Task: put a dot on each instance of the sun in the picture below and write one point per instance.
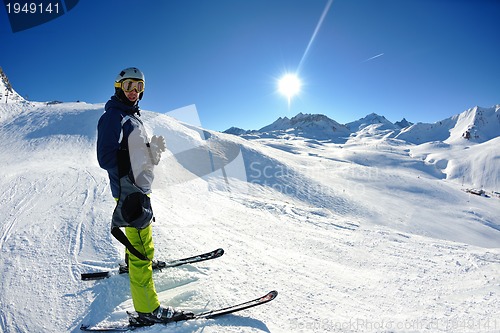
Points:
(289, 85)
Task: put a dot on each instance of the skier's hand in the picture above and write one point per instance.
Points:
(158, 142)
(157, 147)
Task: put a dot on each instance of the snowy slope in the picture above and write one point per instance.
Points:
(464, 147)
(360, 237)
(473, 165)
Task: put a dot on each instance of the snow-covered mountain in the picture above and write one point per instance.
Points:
(372, 119)
(364, 236)
(236, 131)
(12, 103)
(7, 93)
(316, 126)
(476, 124)
(403, 123)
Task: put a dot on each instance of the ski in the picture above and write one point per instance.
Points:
(202, 315)
(238, 307)
(157, 265)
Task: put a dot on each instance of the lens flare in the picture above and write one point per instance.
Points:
(315, 33)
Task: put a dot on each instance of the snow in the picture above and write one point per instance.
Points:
(368, 234)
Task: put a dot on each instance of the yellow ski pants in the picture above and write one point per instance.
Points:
(142, 286)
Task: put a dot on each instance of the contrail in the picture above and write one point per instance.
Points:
(378, 55)
(318, 26)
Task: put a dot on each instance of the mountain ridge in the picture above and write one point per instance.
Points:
(477, 124)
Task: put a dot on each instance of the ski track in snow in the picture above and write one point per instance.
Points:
(362, 238)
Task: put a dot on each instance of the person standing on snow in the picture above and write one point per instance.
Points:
(127, 154)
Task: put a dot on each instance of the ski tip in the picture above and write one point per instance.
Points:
(219, 252)
(89, 328)
(270, 296)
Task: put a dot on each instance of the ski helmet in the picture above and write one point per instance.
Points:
(128, 73)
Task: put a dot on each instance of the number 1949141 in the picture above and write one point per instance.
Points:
(32, 8)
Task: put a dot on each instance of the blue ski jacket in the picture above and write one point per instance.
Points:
(109, 129)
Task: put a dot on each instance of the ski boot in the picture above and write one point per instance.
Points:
(159, 316)
(157, 265)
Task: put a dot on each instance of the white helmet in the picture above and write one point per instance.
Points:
(130, 73)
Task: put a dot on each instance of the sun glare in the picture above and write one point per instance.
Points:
(289, 85)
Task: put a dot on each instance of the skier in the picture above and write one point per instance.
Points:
(127, 154)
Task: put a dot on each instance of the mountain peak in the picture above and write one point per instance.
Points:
(307, 125)
(308, 117)
(371, 119)
(7, 93)
(403, 123)
(476, 124)
(235, 131)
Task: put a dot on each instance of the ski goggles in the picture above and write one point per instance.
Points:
(128, 85)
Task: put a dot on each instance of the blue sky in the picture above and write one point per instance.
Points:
(425, 60)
